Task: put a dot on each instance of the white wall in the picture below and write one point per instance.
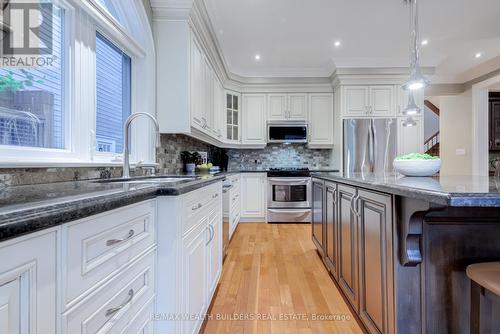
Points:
(456, 133)
(431, 123)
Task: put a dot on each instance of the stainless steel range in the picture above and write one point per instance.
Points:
(289, 196)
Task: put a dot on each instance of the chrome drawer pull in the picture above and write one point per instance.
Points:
(113, 310)
(215, 196)
(196, 207)
(112, 242)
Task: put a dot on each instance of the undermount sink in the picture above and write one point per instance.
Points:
(152, 179)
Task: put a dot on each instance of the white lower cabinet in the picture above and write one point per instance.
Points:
(117, 271)
(111, 307)
(253, 196)
(28, 285)
(233, 209)
(94, 275)
(194, 273)
(190, 258)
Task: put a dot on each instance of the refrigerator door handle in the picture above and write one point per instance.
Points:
(371, 146)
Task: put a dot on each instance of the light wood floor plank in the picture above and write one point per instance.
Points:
(272, 271)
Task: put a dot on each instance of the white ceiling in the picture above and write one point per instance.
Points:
(295, 37)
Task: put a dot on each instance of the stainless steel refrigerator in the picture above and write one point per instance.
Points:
(370, 145)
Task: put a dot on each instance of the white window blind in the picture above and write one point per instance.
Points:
(113, 80)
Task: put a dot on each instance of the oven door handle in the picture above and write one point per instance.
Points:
(290, 181)
(289, 211)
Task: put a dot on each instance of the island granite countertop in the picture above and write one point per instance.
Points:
(30, 208)
(456, 191)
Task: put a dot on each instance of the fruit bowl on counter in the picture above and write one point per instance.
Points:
(417, 164)
(204, 168)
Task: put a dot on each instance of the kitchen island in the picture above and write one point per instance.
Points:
(398, 246)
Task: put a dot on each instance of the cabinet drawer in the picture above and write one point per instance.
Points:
(96, 248)
(114, 306)
(236, 208)
(198, 204)
(234, 197)
(141, 323)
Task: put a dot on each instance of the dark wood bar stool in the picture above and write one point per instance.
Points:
(485, 281)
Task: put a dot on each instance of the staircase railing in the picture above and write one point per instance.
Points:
(431, 142)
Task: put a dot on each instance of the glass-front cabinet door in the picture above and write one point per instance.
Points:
(233, 116)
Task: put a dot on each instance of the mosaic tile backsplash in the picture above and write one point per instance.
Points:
(278, 155)
(168, 158)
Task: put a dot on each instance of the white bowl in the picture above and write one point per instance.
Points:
(417, 167)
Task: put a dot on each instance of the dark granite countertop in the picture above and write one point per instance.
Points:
(458, 191)
(30, 208)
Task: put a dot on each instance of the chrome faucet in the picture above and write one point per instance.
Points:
(126, 128)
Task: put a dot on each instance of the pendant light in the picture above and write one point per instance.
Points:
(412, 108)
(409, 122)
(417, 79)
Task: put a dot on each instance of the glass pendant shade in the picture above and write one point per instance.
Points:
(417, 79)
(409, 122)
(412, 108)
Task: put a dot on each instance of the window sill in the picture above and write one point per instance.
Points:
(68, 164)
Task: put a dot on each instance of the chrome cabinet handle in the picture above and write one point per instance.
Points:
(196, 207)
(112, 242)
(356, 209)
(212, 232)
(352, 204)
(215, 196)
(113, 310)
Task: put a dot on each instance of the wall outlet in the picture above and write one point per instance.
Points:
(460, 151)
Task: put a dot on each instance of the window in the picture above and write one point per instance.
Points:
(71, 111)
(32, 111)
(113, 79)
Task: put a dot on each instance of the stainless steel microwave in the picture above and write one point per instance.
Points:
(287, 133)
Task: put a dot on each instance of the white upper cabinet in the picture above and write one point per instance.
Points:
(189, 93)
(368, 101)
(287, 107)
(277, 107)
(233, 117)
(320, 120)
(297, 107)
(254, 119)
(356, 100)
(382, 101)
(196, 85)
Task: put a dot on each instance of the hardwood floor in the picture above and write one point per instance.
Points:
(273, 271)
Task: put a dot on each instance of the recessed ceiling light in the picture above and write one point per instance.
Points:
(425, 42)
(478, 55)
(257, 57)
(337, 43)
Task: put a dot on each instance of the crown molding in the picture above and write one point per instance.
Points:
(171, 9)
(195, 13)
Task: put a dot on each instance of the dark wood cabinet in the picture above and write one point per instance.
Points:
(348, 245)
(494, 106)
(331, 228)
(376, 299)
(318, 235)
(353, 231)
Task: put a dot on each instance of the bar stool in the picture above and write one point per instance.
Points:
(485, 281)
